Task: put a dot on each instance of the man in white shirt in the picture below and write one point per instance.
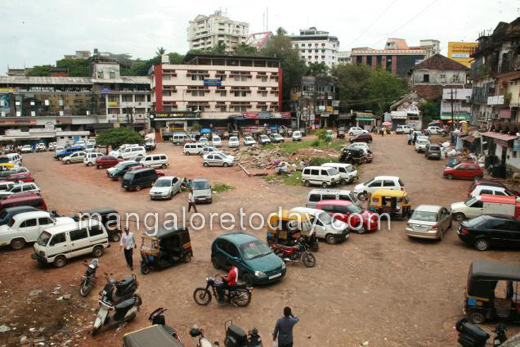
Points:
(191, 202)
(128, 244)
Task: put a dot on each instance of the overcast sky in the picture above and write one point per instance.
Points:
(36, 32)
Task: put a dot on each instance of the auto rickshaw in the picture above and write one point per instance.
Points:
(108, 217)
(352, 156)
(287, 227)
(492, 291)
(393, 202)
(165, 248)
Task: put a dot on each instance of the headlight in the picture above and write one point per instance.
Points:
(283, 266)
(259, 273)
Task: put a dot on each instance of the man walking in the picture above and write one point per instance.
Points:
(191, 202)
(284, 327)
(128, 244)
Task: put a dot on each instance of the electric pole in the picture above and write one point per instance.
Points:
(452, 116)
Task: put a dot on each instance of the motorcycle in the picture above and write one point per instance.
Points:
(471, 335)
(89, 278)
(239, 295)
(235, 337)
(294, 254)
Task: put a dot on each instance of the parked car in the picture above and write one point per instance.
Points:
(59, 154)
(218, 159)
(264, 139)
(429, 222)
(120, 169)
(491, 190)
(155, 160)
(91, 158)
(165, 187)
(361, 138)
(317, 175)
(256, 263)
(8, 213)
(317, 195)
(26, 149)
(489, 183)
(233, 142)
(137, 179)
(159, 173)
(6, 185)
(347, 172)
(362, 190)
(19, 188)
(249, 141)
(276, 138)
(353, 131)
(26, 227)
(433, 152)
(106, 161)
(362, 145)
(464, 171)
(60, 243)
(216, 141)
(179, 138)
(192, 148)
(129, 152)
(76, 157)
(403, 129)
(19, 169)
(488, 231)
(435, 130)
(358, 219)
(208, 150)
(23, 199)
(40, 147)
(20, 177)
(150, 144)
(421, 145)
(324, 226)
(296, 136)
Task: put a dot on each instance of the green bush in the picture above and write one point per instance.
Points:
(321, 134)
(221, 187)
(318, 161)
(316, 143)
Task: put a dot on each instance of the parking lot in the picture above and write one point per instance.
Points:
(378, 287)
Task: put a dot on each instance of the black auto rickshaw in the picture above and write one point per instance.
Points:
(352, 156)
(155, 335)
(108, 217)
(493, 291)
(165, 248)
(288, 227)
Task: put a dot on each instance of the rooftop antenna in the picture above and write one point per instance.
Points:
(267, 19)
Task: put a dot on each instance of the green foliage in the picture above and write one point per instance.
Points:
(40, 70)
(196, 127)
(316, 69)
(430, 110)
(384, 89)
(221, 187)
(160, 51)
(316, 143)
(321, 134)
(77, 67)
(118, 136)
(318, 161)
(293, 179)
(246, 50)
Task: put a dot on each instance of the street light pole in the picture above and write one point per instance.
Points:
(452, 121)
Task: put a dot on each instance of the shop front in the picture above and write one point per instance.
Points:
(365, 120)
(502, 154)
(251, 122)
(165, 124)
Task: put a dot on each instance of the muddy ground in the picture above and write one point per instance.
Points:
(382, 288)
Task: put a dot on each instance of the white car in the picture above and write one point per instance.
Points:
(420, 145)
(353, 131)
(362, 145)
(491, 190)
(91, 157)
(435, 130)
(165, 187)
(470, 208)
(362, 190)
(403, 129)
(218, 159)
(216, 141)
(129, 152)
(249, 141)
(233, 142)
(26, 149)
(90, 147)
(325, 227)
(19, 188)
(40, 147)
(59, 148)
(27, 227)
(264, 139)
(296, 136)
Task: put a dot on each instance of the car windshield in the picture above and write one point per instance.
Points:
(325, 218)
(216, 138)
(248, 138)
(354, 209)
(254, 249)
(425, 216)
(470, 202)
(200, 185)
(4, 160)
(233, 139)
(44, 239)
(164, 183)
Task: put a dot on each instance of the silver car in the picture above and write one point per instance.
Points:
(201, 190)
(165, 187)
(76, 157)
(429, 222)
(218, 159)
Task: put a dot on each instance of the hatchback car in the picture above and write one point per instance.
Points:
(107, 161)
(358, 219)
(165, 188)
(356, 131)
(264, 139)
(216, 141)
(249, 141)
(491, 190)
(276, 138)
(470, 171)
(362, 190)
(26, 149)
(421, 145)
(255, 261)
(296, 136)
(361, 138)
(233, 142)
(218, 159)
(429, 222)
(433, 152)
(490, 231)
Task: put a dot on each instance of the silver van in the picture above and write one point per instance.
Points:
(201, 190)
(347, 172)
(323, 176)
(192, 148)
(156, 161)
(178, 138)
(316, 195)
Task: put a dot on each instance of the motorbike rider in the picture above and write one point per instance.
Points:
(228, 282)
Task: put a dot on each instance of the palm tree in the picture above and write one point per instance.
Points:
(160, 51)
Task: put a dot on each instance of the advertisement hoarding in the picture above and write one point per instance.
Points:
(461, 52)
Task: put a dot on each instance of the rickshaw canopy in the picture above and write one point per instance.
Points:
(484, 275)
(286, 217)
(154, 335)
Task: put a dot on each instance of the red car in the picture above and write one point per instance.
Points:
(24, 199)
(107, 161)
(361, 138)
(20, 177)
(159, 173)
(351, 214)
(470, 171)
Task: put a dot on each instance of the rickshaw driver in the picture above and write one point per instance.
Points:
(228, 282)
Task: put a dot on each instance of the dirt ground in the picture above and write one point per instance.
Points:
(381, 288)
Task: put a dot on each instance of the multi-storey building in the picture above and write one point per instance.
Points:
(205, 32)
(316, 46)
(396, 57)
(431, 47)
(345, 57)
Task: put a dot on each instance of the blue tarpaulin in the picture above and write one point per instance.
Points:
(205, 131)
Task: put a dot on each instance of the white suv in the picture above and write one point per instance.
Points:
(91, 157)
(403, 129)
(362, 190)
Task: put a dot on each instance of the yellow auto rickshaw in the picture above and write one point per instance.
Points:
(285, 227)
(393, 202)
(6, 166)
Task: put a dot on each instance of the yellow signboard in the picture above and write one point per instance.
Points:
(6, 90)
(461, 52)
(113, 103)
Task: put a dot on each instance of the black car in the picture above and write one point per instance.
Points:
(10, 212)
(433, 152)
(488, 231)
(137, 179)
(121, 169)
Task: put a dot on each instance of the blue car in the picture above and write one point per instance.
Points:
(255, 262)
(68, 151)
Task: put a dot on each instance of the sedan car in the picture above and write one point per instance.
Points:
(490, 231)
(218, 159)
(361, 138)
(165, 187)
(277, 138)
(249, 141)
(256, 263)
(429, 222)
(8, 213)
(470, 171)
(107, 161)
(233, 142)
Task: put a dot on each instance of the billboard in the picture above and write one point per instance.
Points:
(461, 52)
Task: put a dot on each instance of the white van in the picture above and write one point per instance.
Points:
(15, 159)
(131, 152)
(316, 195)
(156, 160)
(178, 138)
(325, 227)
(324, 176)
(192, 148)
(60, 243)
(347, 172)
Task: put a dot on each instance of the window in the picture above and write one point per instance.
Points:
(45, 221)
(329, 197)
(96, 230)
(264, 79)
(112, 75)
(426, 78)
(57, 239)
(324, 173)
(477, 204)
(100, 74)
(315, 198)
(78, 234)
(327, 208)
(29, 223)
(16, 190)
(315, 172)
(387, 183)
(375, 184)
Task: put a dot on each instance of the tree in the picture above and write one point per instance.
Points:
(117, 137)
(76, 67)
(316, 69)
(430, 110)
(353, 86)
(245, 50)
(384, 88)
(220, 48)
(160, 51)
(40, 70)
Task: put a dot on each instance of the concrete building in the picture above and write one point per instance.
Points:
(316, 46)
(78, 55)
(396, 57)
(205, 32)
(345, 57)
(431, 47)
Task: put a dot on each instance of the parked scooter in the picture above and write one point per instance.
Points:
(89, 278)
(235, 337)
(197, 333)
(294, 254)
(239, 295)
(471, 335)
(117, 291)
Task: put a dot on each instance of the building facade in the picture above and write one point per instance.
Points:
(316, 46)
(345, 57)
(430, 46)
(205, 32)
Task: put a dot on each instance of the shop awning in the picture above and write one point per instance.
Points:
(500, 136)
(365, 119)
(469, 139)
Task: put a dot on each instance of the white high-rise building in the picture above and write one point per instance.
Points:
(205, 32)
(316, 46)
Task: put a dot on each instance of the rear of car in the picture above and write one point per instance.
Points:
(429, 222)
(137, 179)
(433, 152)
(24, 199)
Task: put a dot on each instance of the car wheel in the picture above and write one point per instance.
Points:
(343, 181)
(60, 261)
(67, 162)
(145, 269)
(330, 239)
(187, 153)
(324, 184)
(215, 263)
(362, 230)
(115, 237)
(226, 164)
(17, 244)
(97, 252)
(248, 280)
(476, 318)
(441, 236)
(187, 258)
(482, 245)
(137, 188)
(163, 166)
(89, 164)
(205, 164)
(477, 178)
(450, 177)
(99, 167)
(307, 183)
(459, 217)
